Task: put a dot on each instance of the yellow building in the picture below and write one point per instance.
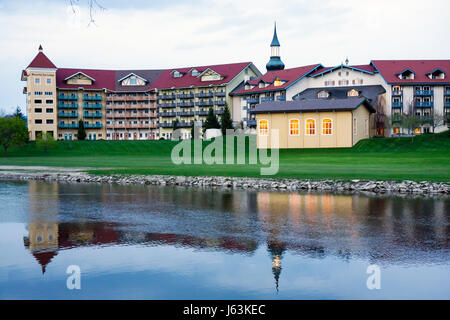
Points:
(315, 123)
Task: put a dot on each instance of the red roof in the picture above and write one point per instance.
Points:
(288, 75)
(104, 79)
(227, 71)
(41, 61)
(390, 69)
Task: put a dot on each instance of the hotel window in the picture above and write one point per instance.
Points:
(49, 110)
(38, 121)
(263, 127)
(327, 127)
(353, 93)
(133, 81)
(310, 127)
(49, 81)
(294, 127)
(366, 127)
(355, 128)
(322, 94)
(49, 121)
(417, 130)
(396, 130)
(48, 101)
(277, 82)
(37, 80)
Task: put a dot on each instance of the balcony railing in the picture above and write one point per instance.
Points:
(186, 114)
(95, 97)
(68, 125)
(447, 92)
(168, 105)
(281, 98)
(93, 115)
(186, 104)
(447, 104)
(165, 125)
(219, 111)
(397, 93)
(167, 96)
(72, 96)
(204, 95)
(185, 96)
(264, 99)
(62, 114)
(423, 92)
(93, 125)
(221, 103)
(424, 104)
(92, 105)
(204, 103)
(397, 104)
(168, 114)
(219, 94)
(201, 113)
(72, 105)
(253, 100)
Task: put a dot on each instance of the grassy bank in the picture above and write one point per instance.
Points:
(427, 158)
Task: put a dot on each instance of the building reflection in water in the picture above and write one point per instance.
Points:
(381, 229)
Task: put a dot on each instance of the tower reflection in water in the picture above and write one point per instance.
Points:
(386, 230)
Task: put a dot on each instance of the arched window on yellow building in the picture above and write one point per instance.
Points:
(263, 127)
(327, 127)
(310, 127)
(294, 127)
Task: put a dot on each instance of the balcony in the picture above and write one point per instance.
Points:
(62, 125)
(93, 125)
(92, 105)
(185, 96)
(165, 125)
(397, 104)
(447, 104)
(281, 98)
(167, 96)
(253, 100)
(184, 124)
(185, 104)
(264, 99)
(202, 113)
(218, 111)
(62, 114)
(422, 93)
(92, 115)
(72, 105)
(424, 104)
(220, 102)
(168, 105)
(167, 114)
(397, 93)
(95, 97)
(425, 119)
(186, 114)
(251, 123)
(204, 103)
(219, 94)
(204, 95)
(72, 96)
(447, 93)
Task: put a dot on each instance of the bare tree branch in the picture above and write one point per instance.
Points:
(93, 5)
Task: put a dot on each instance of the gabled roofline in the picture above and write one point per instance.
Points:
(340, 67)
(407, 69)
(437, 69)
(306, 74)
(79, 72)
(132, 74)
(201, 73)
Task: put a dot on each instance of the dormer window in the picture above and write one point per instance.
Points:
(277, 82)
(407, 74)
(133, 81)
(177, 74)
(195, 72)
(261, 85)
(353, 93)
(323, 94)
(436, 74)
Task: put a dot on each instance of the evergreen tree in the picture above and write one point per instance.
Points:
(211, 121)
(81, 130)
(225, 121)
(18, 113)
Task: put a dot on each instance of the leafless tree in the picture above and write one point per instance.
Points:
(379, 118)
(437, 119)
(93, 5)
(409, 120)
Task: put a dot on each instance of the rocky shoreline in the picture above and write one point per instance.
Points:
(439, 189)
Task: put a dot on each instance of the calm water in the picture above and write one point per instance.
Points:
(142, 242)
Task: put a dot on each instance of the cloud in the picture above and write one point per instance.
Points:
(150, 34)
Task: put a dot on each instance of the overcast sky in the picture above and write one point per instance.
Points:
(165, 34)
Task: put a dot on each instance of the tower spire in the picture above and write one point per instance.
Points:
(275, 62)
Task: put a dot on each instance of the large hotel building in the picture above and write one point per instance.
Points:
(149, 104)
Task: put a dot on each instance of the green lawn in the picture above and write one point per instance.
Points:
(427, 158)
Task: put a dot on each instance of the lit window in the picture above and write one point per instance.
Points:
(310, 127)
(263, 127)
(353, 93)
(366, 127)
(355, 128)
(327, 127)
(294, 125)
(396, 130)
(277, 82)
(417, 130)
